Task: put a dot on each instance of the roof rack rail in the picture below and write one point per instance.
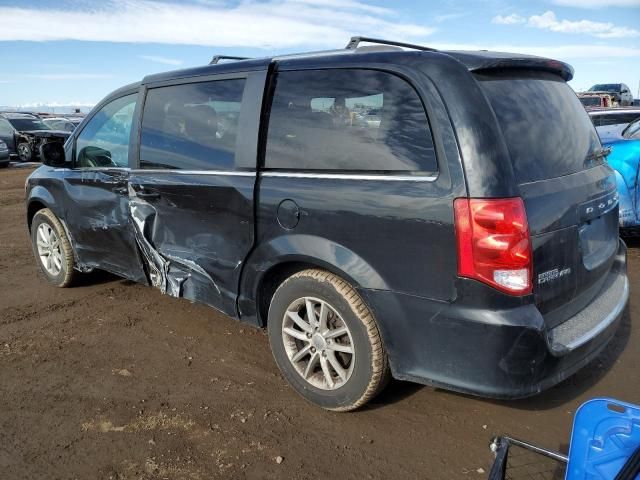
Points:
(217, 58)
(355, 41)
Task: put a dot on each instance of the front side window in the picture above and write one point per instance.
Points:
(192, 126)
(104, 141)
(348, 120)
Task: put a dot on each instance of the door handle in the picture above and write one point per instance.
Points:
(147, 194)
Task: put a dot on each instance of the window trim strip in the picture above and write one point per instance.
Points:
(353, 176)
(229, 173)
(283, 174)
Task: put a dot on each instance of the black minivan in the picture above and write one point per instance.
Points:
(441, 217)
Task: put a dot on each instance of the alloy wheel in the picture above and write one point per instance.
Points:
(318, 343)
(24, 152)
(49, 249)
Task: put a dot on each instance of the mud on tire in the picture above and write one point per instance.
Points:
(52, 248)
(339, 380)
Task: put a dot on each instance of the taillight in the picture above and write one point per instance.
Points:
(493, 243)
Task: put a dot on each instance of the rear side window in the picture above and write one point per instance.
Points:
(348, 120)
(192, 126)
(546, 128)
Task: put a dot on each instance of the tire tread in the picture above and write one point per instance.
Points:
(379, 359)
(66, 246)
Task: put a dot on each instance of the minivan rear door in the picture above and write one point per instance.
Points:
(569, 191)
(192, 193)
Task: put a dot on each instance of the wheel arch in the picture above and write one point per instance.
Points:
(39, 198)
(274, 261)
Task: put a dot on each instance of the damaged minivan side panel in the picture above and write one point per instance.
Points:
(191, 192)
(194, 244)
(97, 215)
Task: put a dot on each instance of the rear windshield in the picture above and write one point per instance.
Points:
(590, 101)
(25, 124)
(546, 128)
(606, 87)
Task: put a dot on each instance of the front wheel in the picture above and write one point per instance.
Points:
(52, 248)
(326, 341)
(25, 154)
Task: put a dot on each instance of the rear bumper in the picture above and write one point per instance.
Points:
(496, 351)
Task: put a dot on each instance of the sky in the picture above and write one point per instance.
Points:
(66, 52)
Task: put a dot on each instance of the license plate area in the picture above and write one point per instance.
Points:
(599, 239)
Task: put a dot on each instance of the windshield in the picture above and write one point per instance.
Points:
(605, 87)
(590, 101)
(547, 130)
(24, 124)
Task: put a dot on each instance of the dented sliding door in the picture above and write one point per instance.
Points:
(191, 199)
(194, 231)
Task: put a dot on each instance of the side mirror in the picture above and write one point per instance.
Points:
(52, 154)
(93, 157)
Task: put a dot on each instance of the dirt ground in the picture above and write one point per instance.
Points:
(114, 380)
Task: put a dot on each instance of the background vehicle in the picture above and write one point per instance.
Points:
(625, 160)
(603, 117)
(4, 155)
(443, 244)
(590, 100)
(610, 122)
(619, 91)
(24, 133)
(61, 123)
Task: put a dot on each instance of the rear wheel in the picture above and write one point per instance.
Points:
(326, 341)
(25, 154)
(52, 248)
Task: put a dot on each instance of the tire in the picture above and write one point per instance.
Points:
(4, 164)
(25, 154)
(48, 235)
(348, 325)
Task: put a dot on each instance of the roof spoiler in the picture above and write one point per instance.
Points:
(525, 62)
